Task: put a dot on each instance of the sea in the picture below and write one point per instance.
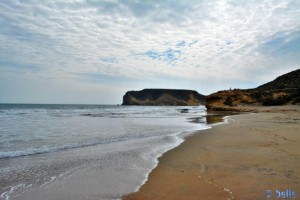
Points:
(86, 151)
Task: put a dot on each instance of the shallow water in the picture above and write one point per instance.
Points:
(86, 151)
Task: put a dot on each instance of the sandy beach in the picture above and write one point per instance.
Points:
(241, 159)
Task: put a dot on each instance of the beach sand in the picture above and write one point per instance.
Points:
(240, 159)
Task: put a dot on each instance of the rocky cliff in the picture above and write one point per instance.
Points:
(283, 90)
(168, 97)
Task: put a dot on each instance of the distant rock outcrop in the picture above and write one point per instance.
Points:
(283, 90)
(165, 97)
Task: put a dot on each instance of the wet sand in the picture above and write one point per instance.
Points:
(240, 159)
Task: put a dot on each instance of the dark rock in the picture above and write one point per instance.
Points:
(184, 110)
(166, 97)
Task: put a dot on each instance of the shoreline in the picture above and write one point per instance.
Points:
(237, 160)
(106, 171)
(214, 120)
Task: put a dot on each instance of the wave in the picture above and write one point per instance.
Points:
(51, 149)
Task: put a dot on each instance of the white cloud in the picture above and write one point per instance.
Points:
(225, 42)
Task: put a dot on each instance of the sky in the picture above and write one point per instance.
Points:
(93, 51)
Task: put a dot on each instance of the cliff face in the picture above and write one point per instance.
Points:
(167, 97)
(283, 90)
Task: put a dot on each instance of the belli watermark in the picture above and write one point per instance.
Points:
(281, 194)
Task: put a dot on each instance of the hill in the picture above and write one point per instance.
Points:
(290, 80)
(283, 90)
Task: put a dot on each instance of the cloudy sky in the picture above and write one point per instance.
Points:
(93, 51)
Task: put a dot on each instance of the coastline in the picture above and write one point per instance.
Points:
(236, 160)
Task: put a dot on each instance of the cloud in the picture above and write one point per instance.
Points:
(148, 42)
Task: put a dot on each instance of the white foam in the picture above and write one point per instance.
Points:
(159, 152)
(6, 195)
(51, 179)
(49, 149)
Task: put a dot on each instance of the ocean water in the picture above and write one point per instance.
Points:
(86, 151)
